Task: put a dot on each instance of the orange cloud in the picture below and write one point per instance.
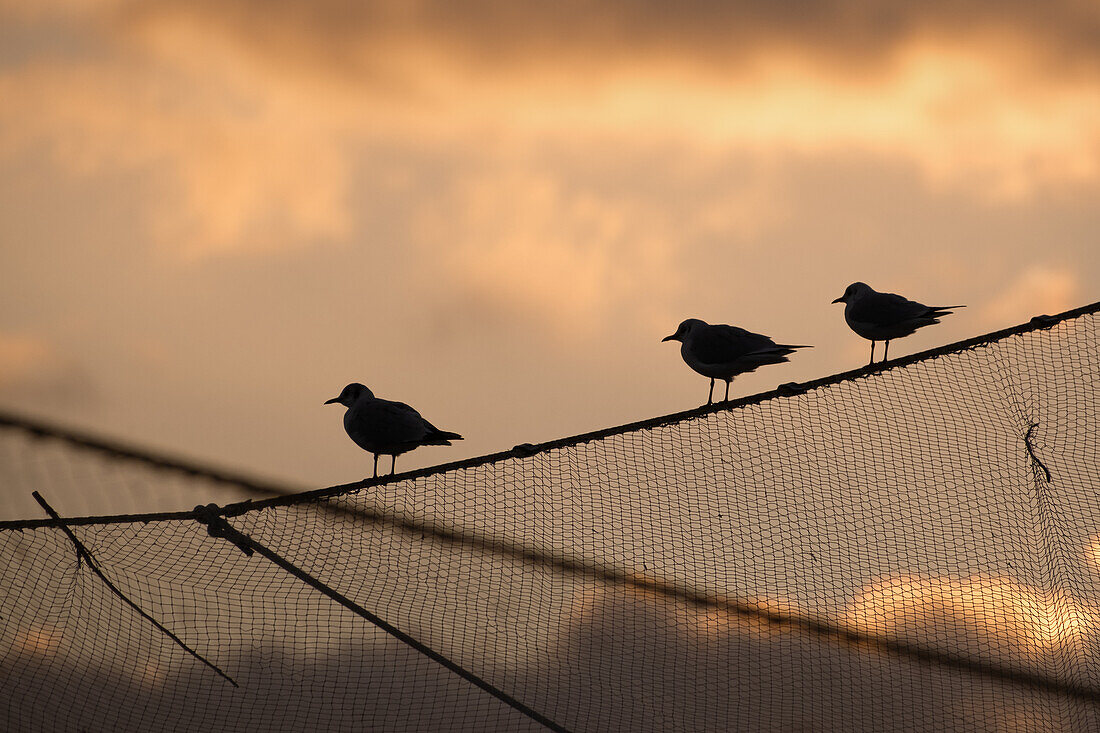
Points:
(1037, 289)
(23, 358)
(234, 156)
(997, 616)
(34, 371)
(248, 118)
(38, 640)
(535, 243)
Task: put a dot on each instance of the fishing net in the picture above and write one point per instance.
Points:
(906, 547)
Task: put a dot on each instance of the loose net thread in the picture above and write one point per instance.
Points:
(907, 548)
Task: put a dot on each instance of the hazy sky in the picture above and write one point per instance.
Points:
(214, 214)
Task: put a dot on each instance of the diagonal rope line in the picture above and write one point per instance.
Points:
(217, 526)
(82, 553)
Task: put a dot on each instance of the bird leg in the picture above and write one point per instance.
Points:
(727, 390)
(885, 349)
(872, 354)
(710, 395)
(376, 465)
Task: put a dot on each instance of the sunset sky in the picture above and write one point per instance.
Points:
(214, 214)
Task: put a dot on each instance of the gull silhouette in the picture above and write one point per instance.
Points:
(885, 316)
(723, 352)
(383, 427)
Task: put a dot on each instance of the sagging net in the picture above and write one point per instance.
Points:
(911, 548)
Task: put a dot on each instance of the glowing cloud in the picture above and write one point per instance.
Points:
(1002, 615)
(22, 357)
(248, 118)
(1036, 290)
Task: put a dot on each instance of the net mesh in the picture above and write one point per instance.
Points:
(909, 548)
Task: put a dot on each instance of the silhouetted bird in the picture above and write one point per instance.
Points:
(387, 428)
(723, 352)
(884, 316)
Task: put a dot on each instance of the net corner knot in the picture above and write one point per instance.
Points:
(216, 525)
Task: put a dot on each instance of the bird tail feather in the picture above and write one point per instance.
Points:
(942, 310)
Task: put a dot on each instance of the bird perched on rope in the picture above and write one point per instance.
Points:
(885, 316)
(383, 427)
(723, 352)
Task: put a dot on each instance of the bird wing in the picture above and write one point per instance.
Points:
(721, 344)
(412, 423)
(381, 423)
(405, 421)
(887, 309)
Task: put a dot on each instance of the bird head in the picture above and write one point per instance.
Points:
(350, 394)
(851, 291)
(684, 330)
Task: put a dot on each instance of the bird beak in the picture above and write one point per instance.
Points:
(840, 300)
(332, 401)
(669, 338)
